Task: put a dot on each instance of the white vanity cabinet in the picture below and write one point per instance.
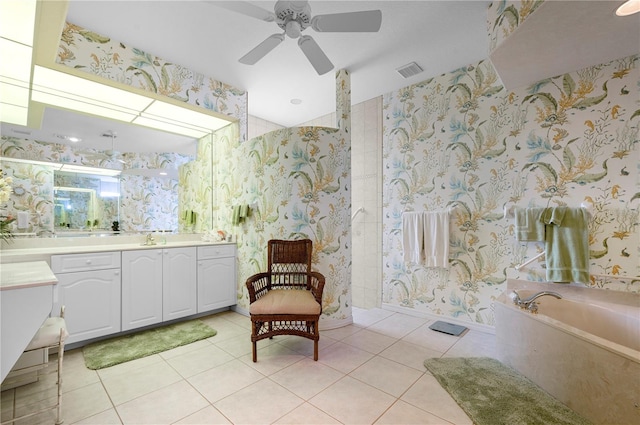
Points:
(89, 288)
(157, 285)
(216, 277)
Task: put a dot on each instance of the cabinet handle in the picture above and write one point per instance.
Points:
(88, 261)
(117, 273)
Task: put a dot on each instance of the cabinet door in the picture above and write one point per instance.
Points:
(92, 303)
(179, 282)
(141, 288)
(216, 283)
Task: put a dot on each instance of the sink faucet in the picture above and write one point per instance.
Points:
(150, 240)
(529, 303)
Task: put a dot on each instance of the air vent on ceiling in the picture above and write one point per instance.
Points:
(409, 70)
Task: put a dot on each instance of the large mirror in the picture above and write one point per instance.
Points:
(142, 197)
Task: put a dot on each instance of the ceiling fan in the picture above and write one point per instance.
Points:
(293, 17)
(112, 153)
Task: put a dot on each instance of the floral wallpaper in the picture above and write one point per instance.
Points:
(504, 16)
(99, 55)
(298, 180)
(32, 192)
(462, 141)
(146, 203)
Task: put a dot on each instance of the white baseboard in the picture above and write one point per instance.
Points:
(424, 315)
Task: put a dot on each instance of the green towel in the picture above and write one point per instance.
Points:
(566, 245)
(529, 225)
(244, 212)
(235, 219)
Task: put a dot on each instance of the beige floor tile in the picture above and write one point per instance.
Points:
(207, 416)
(402, 413)
(304, 346)
(224, 328)
(261, 403)
(122, 388)
(222, 381)
(367, 340)
(474, 344)
(408, 354)
(183, 349)
(386, 375)
(308, 415)
(128, 367)
(108, 417)
(76, 405)
(237, 346)
(428, 395)
(237, 318)
(164, 406)
(343, 357)
(431, 339)
(74, 372)
(353, 402)
(397, 325)
(340, 333)
(306, 378)
(272, 358)
(196, 361)
(365, 318)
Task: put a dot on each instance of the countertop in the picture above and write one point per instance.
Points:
(26, 275)
(43, 249)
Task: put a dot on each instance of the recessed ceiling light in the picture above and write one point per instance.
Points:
(163, 173)
(74, 139)
(296, 101)
(628, 8)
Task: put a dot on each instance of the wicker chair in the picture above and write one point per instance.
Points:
(287, 299)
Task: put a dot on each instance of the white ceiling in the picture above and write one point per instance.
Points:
(440, 36)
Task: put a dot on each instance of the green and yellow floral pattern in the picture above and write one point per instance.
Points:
(100, 55)
(462, 141)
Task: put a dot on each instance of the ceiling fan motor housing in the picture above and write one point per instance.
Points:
(293, 16)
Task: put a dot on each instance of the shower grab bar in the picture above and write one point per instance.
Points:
(529, 261)
(359, 210)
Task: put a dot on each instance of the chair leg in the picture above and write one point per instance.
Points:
(59, 419)
(255, 352)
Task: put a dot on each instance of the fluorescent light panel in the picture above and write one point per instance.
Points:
(68, 91)
(66, 167)
(17, 20)
(170, 127)
(59, 82)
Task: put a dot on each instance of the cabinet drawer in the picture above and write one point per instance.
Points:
(85, 262)
(216, 251)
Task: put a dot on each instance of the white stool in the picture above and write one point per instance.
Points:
(52, 334)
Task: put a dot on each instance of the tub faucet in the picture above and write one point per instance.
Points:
(529, 303)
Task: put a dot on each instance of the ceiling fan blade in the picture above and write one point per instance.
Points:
(262, 49)
(246, 8)
(365, 21)
(314, 53)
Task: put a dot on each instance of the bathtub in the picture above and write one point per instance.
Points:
(583, 349)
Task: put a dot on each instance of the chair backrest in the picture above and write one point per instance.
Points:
(289, 263)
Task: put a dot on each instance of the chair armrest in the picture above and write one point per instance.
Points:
(316, 283)
(258, 285)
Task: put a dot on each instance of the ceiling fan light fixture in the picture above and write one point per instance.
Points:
(628, 8)
(293, 29)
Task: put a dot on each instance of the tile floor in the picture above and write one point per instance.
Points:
(368, 372)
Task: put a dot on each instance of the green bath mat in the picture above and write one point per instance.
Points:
(494, 394)
(111, 352)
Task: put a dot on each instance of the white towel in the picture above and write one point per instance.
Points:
(436, 239)
(412, 237)
(23, 219)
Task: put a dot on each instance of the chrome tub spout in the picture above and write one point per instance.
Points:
(529, 303)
